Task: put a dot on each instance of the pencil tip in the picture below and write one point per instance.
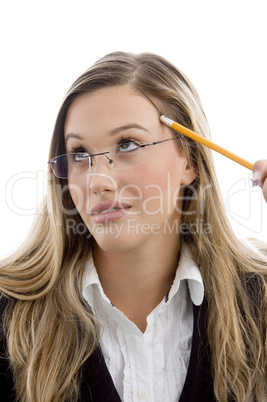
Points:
(166, 120)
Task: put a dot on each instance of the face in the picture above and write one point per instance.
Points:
(125, 208)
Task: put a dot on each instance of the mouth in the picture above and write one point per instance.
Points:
(109, 211)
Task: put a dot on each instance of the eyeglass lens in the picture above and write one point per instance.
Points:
(77, 164)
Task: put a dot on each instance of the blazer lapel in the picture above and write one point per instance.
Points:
(96, 381)
(198, 385)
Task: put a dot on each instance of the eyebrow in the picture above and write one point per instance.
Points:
(128, 127)
(72, 135)
(112, 132)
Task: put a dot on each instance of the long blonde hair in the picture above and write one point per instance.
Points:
(47, 322)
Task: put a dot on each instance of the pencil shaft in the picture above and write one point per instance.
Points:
(202, 140)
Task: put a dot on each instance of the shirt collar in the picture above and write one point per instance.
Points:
(90, 278)
(187, 270)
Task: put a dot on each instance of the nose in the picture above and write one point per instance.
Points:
(102, 176)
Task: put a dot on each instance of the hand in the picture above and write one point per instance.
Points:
(260, 175)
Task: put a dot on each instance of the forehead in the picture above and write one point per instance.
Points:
(110, 107)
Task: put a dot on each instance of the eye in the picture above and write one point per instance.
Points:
(128, 146)
(79, 154)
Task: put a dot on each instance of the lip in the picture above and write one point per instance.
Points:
(109, 211)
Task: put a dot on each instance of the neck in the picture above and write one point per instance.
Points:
(137, 281)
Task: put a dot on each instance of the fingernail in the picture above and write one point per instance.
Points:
(256, 178)
(255, 183)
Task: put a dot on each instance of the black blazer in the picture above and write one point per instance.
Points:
(97, 384)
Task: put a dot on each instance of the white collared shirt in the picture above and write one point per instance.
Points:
(149, 366)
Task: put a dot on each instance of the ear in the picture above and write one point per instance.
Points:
(188, 175)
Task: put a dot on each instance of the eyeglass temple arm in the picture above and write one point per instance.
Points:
(157, 142)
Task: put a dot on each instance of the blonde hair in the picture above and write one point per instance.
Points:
(47, 322)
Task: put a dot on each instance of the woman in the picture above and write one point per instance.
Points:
(94, 306)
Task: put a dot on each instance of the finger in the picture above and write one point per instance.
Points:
(260, 172)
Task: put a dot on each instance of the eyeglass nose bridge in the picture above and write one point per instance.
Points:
(109, 160)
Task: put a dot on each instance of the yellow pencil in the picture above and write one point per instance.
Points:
(202, 140)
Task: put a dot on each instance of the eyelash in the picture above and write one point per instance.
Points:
(77, 149)
(121, 140)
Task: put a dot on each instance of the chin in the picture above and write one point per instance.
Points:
(121, 236)
(113, 245)
(120, 242)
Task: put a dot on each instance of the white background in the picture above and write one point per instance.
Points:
(46, 45)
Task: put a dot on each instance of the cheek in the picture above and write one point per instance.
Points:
(157, 188)
(77, 191)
